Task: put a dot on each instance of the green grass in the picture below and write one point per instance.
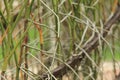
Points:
(108, 55)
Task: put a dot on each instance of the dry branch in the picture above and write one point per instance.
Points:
(92, 44)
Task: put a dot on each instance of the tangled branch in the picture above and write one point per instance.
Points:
(92, 44)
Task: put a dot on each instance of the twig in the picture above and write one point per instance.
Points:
(92, 44)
